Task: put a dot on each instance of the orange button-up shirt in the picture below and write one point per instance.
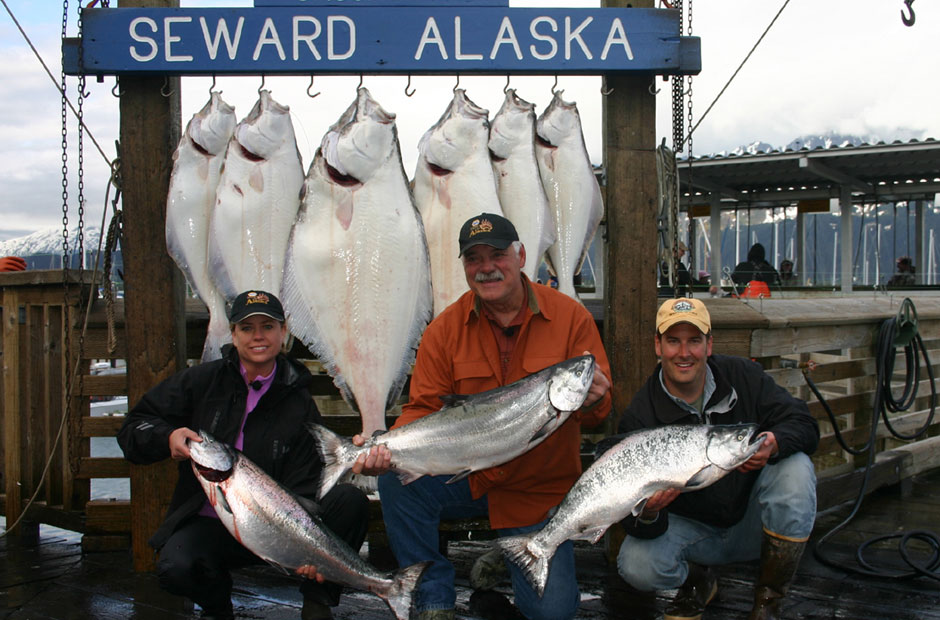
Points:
(459, 355)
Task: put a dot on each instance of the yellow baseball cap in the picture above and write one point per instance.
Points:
(683, 310)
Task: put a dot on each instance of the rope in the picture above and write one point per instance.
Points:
(884, 401)
(731, 79)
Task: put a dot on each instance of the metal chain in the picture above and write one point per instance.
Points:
(691, 243)
(80, 367)
(66, 301)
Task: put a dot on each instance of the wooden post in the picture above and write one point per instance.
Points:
(154, 292)
(630, 159)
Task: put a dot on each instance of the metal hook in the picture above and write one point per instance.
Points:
(212, 87)
(165, 89)
(116, 89)
(910, 17)
(604, 90)
(555, 85)
(506, 87)
(311, 86)
(260, 88)
(457, 85)
(654, 91)
(360, 83)
(413, 90)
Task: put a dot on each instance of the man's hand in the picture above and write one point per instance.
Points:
(658, 501)
(310, 572)
(374, 463)
(12, 263)
(179, 451)
(760, 458)
(599, 386)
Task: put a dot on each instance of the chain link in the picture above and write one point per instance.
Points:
(66, 313)
(691, 244)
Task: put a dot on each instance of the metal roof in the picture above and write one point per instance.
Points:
(873, 172)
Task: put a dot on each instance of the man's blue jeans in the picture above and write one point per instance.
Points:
(412, 515)
(782, 502)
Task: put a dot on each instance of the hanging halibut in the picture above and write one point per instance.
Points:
(356, 277)
(453, 182)
(571, 187)
(257, 201)
(518, 184)
(197, 166)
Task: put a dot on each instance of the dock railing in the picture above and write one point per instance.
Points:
(833, 340)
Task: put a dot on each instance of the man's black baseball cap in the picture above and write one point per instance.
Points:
(487, 229)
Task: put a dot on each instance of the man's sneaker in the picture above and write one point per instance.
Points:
(488, 571)
(699, 589)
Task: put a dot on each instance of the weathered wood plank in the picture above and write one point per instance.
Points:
(107, 467)
(108, 517)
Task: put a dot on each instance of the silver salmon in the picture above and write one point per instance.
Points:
(471, 432)
(619, 483)
(268, 521)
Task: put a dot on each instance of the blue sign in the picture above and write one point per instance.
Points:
(350, 38)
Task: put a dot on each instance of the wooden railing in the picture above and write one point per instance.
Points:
(836, 334)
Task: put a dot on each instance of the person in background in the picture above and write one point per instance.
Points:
(905, 273)
(683, 278)
(12, 263)
(503, 329)
(257, 400)
(787, 277)
(765, 509)
(755, 267)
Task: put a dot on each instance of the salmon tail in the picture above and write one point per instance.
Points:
(334, 452)
(400, 593)
(531, 558)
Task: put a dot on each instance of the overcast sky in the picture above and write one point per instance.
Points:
(844, 66)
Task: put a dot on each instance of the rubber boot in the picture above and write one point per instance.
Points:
(779, 560)
(699, 589)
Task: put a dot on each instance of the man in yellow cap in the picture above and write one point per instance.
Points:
(765, 509)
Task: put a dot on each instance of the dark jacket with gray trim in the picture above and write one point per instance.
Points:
(743, 393)
(211, 397)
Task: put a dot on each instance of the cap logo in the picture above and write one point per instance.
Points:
(478, 226)
(682, 306)
(257, 298)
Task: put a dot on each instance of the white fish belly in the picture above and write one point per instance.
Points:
(256, 205)
(357, 285)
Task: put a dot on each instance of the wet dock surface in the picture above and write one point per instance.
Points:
(48, 577)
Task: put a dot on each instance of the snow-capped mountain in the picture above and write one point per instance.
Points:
(49, 241)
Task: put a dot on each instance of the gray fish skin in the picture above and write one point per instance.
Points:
(474, 432)
(197, 168)
(688, 457)
(267, 520)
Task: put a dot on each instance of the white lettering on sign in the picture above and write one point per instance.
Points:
(268, 36)
(576, 36)
(458, 55)
(132, 30)
(169, 39)
(431, 34)
(506, 35)
(330, 52)
(306, 38)
(553, 45)
(221, 32)
(619, 37)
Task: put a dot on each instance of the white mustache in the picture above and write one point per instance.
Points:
(496, 276)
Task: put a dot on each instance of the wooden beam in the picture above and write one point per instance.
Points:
(154, 287)
(631, 211)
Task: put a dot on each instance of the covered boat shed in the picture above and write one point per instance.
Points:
(815, 180)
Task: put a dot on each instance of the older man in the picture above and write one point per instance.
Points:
(503, 329)
(765, 509)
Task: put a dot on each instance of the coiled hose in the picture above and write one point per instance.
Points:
(884, 401)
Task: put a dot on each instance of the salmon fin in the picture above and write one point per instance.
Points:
(593, 534)
(546, 429)
(221, 500)
(460, 476)
(279, 567)
(531, 560)
(454, 400)
(332, 450)
(406, 477)
(638, 507)
(702, 478)
(399, 594)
